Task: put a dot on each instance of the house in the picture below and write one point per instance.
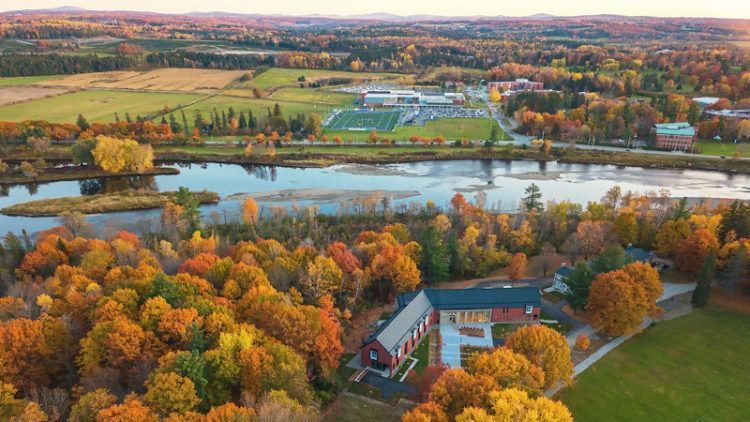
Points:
(704, 102)
(387, 348)
(560, 278)
(632, 254)
(675, 136)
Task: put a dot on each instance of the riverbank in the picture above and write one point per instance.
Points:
(102, 203)
(320, 156)
(630, 159)
(58, 174)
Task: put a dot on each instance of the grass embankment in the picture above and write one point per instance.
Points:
(726, 149)
(695, 162)
(95, 204)
(327, 156)
(58, 174)
(689, 368)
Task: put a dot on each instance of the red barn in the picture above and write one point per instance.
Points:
(387, 347)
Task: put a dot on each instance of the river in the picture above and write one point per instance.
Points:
(437, 181)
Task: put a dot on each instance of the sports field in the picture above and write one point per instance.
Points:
(366, 120)
(693, 368)
(450, 129)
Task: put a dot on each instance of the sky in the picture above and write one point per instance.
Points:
(672, 8)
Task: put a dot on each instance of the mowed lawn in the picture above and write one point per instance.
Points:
(726, 149)
(96, 106)
(314, 96)
(693, 368)
(451, 129)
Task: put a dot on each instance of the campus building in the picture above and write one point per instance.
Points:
(386, 348)
(674, 136)
(410, 98)
(517, 85)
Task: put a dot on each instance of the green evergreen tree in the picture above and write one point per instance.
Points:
(434, 262)
(705, 278)
(533, 198)
(579, 282)
(185, 127)
(82, 123)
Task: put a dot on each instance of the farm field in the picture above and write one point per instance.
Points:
(279, 77)
(366, 120)
(19, 93)
(183, 80)
(689, 368)
(451, 129)
(97, 106)
(23, 80)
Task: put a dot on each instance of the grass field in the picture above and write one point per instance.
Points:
(723, 148)
(692, 368)
(97, 106)
(451, 129)
(23, 80)
(366, 120)
(259, 107)
(313, 96)
(280, 77)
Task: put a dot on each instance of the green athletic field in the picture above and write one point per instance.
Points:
(366, 120)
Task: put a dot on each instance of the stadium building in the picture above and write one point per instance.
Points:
(410, 98)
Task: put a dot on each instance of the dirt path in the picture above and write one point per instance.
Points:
(361, 326)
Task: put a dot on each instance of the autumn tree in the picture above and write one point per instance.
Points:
(516, 405)
(620, 299)
(249, 211)
(546, 348)
(507, 369)
(115, 155)
(693, 251)
(517, 266)
(169, 392)
(626, 228)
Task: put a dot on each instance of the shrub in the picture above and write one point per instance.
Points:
(582, 342)
(28, 169)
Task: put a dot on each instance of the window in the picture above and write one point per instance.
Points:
(529, 309)
(505, 310)
(373, 354)
(398, 353)
(414, 334)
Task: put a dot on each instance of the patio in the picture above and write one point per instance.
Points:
(452, 340)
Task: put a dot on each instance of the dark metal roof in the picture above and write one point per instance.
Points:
(638, 254)
(564, 271)
(484, 297)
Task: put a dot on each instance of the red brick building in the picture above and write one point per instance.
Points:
(517, 85)
(397, 337)
(675, 136)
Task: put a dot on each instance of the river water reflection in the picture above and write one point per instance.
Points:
(502, 181)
